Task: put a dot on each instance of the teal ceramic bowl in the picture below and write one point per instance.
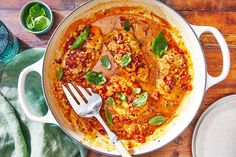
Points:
(25, 11)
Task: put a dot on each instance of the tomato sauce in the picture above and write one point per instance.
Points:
(168, 77)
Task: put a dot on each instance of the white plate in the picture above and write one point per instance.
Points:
(215, 132)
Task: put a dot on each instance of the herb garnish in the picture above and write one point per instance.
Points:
(105, 62)
(168, 105)
(123, 97)
(81, 38)
(127, 25)
(60, 73)
(110, 100)
(157, 120)
(159, 45)
(108, 116)
(95, 78)
(141, 100)
(125, 60)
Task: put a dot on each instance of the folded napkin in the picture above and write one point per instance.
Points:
(19, 136)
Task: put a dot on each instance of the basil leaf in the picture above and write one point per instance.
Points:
(108, 116)
(110, 100)
(60, 73)
(141, 100)
(105, 62)
(125, 60)
(30, 22)
(41, 22)
(137, 90)
(81, 38)
(95, 78)
(159, 45)
(127, 25)
(123, 97)
(157, 120)
(37, 10)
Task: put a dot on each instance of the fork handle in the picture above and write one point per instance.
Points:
(121, 148)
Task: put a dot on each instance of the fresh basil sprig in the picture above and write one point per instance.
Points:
(159, 45)
(123, 97)
(141, 100)
(157, 120)
(95, 78)
(108, 116)
(37, 10)
(60, 73)
(81, 38)
(105, 62)
(37, 18)
(125, 60)
(41, 22)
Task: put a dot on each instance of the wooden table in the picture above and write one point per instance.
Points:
(217, 13)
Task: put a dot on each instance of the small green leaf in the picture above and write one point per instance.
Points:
(105, 62)
(168, 105)
(118, 105)
(110, 100)
(137, 90)
(141, 100)
(81, 38)
(37, 10)
(125, 60)
(41, 22)
(138, 42)
(30, 22)
(108, 116)
(159, 45)
(95, 78)
(60, 73)
(157, 120)
(123, 97)
(127, 25)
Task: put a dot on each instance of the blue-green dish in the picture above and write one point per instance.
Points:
(24, 13)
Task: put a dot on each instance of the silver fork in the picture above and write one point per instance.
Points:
(87, 104)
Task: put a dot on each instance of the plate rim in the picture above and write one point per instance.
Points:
(203, 116)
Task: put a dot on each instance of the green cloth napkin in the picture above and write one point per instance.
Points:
(19, 136)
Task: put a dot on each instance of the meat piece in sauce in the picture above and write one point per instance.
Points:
(78, 61)
(120, 43)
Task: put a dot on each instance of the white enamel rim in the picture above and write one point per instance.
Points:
(206, 80)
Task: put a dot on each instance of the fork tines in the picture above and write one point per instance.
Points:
(77, 93)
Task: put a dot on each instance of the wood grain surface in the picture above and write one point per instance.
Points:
(220, 14)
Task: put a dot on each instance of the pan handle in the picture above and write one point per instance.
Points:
(199, 30)
(37, 67)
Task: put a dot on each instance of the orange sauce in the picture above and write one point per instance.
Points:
(167, 84)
